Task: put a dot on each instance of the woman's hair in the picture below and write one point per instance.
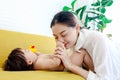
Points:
(16, 61)
(65, 17)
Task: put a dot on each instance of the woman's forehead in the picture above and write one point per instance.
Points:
(59, 29)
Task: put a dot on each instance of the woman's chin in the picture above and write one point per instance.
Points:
(67, 47)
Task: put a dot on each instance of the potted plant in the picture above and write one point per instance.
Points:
(95, 15)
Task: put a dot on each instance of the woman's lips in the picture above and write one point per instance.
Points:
(65, 44)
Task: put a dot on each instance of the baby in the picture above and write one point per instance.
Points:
(20, 60)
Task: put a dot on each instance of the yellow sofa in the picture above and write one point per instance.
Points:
(10, 40)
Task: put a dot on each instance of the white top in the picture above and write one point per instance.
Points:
(104, 52)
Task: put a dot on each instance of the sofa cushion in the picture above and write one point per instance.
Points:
(38, 75)
(10, 40)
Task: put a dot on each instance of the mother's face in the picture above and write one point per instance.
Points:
(66, 35)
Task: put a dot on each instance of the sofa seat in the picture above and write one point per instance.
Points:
(10, 40)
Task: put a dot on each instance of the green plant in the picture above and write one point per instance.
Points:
(96, 14)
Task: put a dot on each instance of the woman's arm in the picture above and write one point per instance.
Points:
(87, 60)
(62, 54)
(77, 58)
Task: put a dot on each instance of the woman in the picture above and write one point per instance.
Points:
(104, 53)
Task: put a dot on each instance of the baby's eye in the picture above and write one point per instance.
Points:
(63, 35)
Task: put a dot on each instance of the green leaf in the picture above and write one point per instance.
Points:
(93, 18)
(88, 27)
(106, 20)
(96, 4)
(101, 16)
(73, 4)
(86, 21)
(99, 26)
(82, 12)
(101, 23)
(109, 35)
(66, 8)
(93, 12)
(78, 10)
(93, 8)
(101, 9)
(107, 2)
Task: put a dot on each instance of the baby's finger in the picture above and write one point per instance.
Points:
(59, 49)
(59, 56)
(59, 52)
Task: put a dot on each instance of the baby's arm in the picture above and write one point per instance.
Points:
(58, 63)
(48, 62)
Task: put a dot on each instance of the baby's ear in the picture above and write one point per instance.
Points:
(38, 53)
(29, 62)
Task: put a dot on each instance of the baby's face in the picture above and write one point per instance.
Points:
(29, 55)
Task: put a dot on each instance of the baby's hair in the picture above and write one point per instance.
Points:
(16, 61)
(66, 18)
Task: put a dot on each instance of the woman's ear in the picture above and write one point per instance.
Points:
(29, 62)
(77, 27)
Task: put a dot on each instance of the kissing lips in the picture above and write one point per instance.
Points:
(65, 44)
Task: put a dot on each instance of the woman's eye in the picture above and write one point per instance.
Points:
(56, 37)
(64, 35)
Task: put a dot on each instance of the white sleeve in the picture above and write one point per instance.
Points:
(102, 61)
(93, 76)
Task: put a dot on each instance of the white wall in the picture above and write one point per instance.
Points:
(29, 16)
(113, 13)
(34, 16)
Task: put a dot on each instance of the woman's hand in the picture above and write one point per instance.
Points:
(61, 53)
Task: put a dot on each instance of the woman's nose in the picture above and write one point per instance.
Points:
(61, 40)
(59, 44)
